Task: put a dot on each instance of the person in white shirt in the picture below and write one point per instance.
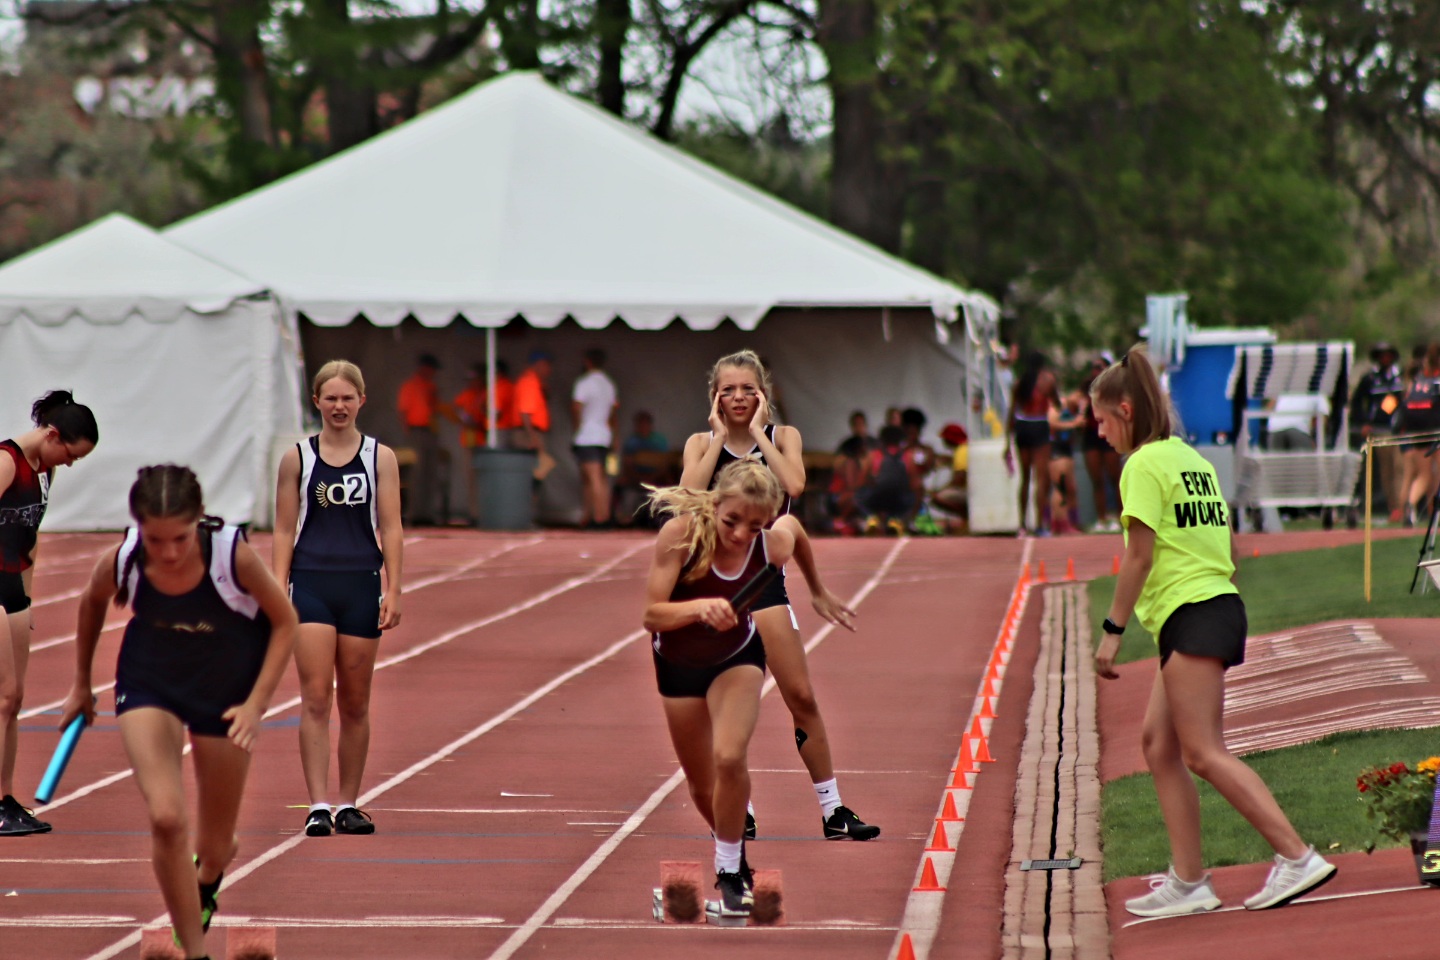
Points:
(1295, 420)
(593, 403)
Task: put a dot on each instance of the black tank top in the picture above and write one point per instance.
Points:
(696, 645)
(727, 457)
(338, 517)
(22, 505)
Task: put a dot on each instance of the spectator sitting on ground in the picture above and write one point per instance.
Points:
(850, 476)
(952, 501)
(889, 497)
(921, 461)
(629, 494)
(859, 431)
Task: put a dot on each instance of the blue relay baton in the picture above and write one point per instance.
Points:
(61, 758)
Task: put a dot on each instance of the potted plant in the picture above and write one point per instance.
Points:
(1399, 799)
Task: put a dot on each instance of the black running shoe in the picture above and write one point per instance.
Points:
(749, 825)
(735, 899)
(16, 821)
(844, 825)
(746, 873)
(353, 820)
(319, 824)
(209, 902)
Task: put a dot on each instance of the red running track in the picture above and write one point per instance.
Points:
(521, 780)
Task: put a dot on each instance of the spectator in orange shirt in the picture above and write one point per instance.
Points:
(471, 410)
(532, 405)
(418, 404)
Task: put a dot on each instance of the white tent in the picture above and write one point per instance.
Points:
(181, 359)
(518, 200)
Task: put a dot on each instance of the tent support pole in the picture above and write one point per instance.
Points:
(492, 431)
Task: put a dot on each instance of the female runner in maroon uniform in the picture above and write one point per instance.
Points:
(64, 432)
(740, 420)
(709, 663)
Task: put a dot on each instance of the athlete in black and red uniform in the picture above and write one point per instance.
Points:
(64, 432)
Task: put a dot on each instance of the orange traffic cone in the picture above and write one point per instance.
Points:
(1025, 574)
(907, 950)
(1070, 568)
(939, 843)
(989, 689)
(982, 752)
(928, 881)
(987, 712)
(966, 763)
(1040, 573)
(948, 813)
(1115, 565)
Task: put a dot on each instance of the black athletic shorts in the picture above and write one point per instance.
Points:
(589, 454)
(1210, 628)
(13, 598)
(677, 681)
(1031, 434)
(348, 600)
(200, 719)
(773, 595)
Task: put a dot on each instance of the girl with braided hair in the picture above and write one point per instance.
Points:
(209, 639)
(709, 661)
(64, 432)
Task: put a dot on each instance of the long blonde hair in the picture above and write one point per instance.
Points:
(1133, 378)
(341, 369)
(746, 478)
(746, 360)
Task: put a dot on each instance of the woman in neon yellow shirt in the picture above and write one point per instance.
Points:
(1176, 577)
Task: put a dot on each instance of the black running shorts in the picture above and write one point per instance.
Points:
(1211, 628)
(13, 598)
(347, 600)
(677, 681)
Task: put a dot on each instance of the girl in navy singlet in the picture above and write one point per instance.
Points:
(740, 426)
(709, 662)
(337, 523)
(208, 642)
(64, 432)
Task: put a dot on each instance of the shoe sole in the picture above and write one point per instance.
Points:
(1205, 906)
(318, 831)
(1300, 892)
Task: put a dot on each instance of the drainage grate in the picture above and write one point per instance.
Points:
(1072, 864)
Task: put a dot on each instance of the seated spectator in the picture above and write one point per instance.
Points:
(850, 476)
(921, 462)
(636, 469)
(859, 431)
(889, 497)
(951, 503)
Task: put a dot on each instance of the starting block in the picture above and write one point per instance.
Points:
(241, 943)
(679, 899)
(250, 943)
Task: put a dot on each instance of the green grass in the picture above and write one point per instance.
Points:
(1314, 784)
(1295, 589)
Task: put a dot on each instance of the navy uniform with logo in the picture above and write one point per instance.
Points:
(22, 506)
(195, 654)
(774, 594)
(335, 572)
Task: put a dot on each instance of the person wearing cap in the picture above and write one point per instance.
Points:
(419, 405)
(1373, 406)
(954, 497)
(532, 411)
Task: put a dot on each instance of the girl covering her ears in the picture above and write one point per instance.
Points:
(709, 662)
(208, 641)
(337, 523)
(1176, 576)
(741, 425)
(65, 431)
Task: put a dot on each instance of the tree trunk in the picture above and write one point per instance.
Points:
(867, 190)
(351, 114)
(612, 23)
(242, 78)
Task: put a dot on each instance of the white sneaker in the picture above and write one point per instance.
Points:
(1170, 896)
(1290, 878)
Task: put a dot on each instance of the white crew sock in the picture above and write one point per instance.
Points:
(727, 856)
(828, 793)
(341, 808)
(319, 806)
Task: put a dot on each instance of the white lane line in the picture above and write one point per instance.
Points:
(420, 766)
(79, 861)
(562, 893)
(414, 651)
(923, 908)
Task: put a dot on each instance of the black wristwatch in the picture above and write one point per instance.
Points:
(1111, 627)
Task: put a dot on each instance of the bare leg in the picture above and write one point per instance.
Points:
(315, 662)
(14, 658)
(688, 719)
(154, 741)
(785, 656)
(220, 771)
(1195, 692)
(734, 703)
(1179, 801)
(1026, 457)
(354, 675)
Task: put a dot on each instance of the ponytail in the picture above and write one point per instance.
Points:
(73, 421)
(1132, 378)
